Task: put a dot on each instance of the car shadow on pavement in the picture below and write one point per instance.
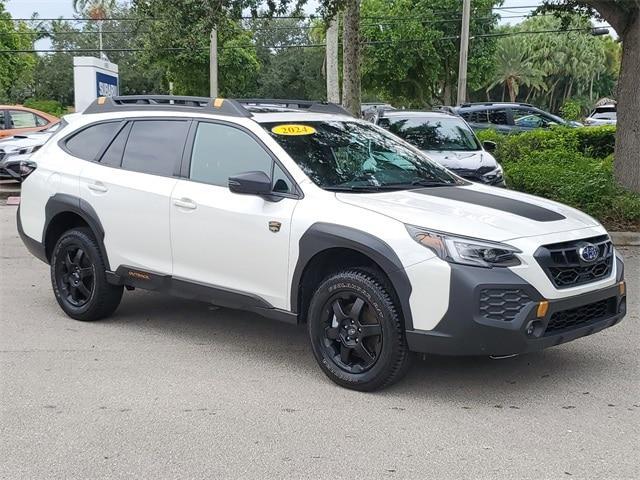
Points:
(460, 379)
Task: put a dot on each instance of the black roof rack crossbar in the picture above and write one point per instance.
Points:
(308, 105)
(218, 106)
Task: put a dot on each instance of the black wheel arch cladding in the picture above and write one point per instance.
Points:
(324, 236)
(62, 203)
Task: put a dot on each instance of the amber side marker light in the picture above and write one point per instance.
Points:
(543, 307)
(622, 287)
(218, 102)
(101, 100)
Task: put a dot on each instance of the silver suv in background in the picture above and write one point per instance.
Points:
(446, 139)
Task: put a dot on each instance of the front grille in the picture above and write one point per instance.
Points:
(499, 304)
(475, 175)
(580, 316)
(565, 268)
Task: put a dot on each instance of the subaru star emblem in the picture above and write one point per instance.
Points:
(589, 252)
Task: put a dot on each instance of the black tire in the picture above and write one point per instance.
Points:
(365, 323)
(78, 277)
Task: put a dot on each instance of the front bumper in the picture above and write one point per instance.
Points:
(466, 330)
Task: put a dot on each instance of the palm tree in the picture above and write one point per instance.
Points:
(513, 69)
(96, 10)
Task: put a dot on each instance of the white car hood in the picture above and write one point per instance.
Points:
(473, 211)
(460, 159)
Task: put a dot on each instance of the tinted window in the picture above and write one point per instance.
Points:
(87, 143)
(475, 116)
(113, 155)
(528, 118)
(220, 151)
(445, 133)
(155, 146)
(41, 121)
(498, 117)
(21, 119)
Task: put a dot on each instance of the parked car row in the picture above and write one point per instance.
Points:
(23, 131)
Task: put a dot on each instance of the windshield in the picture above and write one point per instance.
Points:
(344, 155)
(433, 133)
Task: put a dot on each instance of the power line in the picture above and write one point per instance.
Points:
(306, 45)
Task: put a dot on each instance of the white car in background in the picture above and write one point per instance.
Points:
(447, 139)
(602, 115)
(18, 149)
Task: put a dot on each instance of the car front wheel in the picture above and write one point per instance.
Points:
(356, 332)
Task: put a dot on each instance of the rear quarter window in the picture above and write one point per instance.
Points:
(88, 142)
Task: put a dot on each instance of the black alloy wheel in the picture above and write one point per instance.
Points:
(79, 279)
(75, 275)
(356, 330)
(353, 340)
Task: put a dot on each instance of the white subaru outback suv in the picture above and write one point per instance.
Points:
(307, 215)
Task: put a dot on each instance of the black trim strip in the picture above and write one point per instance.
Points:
(180, 287)
(497, 202)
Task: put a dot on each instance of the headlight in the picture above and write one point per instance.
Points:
(467, 251)
(22, 151)
(494, 174)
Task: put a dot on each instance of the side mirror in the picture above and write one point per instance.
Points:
(250, 183)
(489, 146)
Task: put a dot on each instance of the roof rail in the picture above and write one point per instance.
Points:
(308, 105)
(473, 104)
(219, 106)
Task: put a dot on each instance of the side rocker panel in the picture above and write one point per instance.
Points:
(323, 236)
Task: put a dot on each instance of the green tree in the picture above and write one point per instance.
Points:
(412, 57)
(513, 68)
(54, 73)
(624, 17)
(16, 69)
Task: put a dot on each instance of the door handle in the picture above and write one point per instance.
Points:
(97, 187)
(185, 203)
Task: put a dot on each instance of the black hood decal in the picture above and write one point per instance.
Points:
(496, 202)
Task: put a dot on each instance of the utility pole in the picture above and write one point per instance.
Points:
(464, 52)
(333, 85)
(213, 64)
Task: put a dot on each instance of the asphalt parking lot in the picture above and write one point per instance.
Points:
(174, 389)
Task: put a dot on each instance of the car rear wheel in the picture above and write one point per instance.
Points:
(78, 277)
(356, 332)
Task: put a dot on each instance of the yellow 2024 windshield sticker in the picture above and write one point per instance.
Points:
(293, 129)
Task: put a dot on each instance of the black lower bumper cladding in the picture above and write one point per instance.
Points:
(468, 329)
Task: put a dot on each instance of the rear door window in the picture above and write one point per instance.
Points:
(113, 154)
(20, 119)
(2, 125)
(498, 116)
(475, 116)
(155, 146)
(87, 143)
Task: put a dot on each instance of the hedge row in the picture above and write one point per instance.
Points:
(572, 166)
